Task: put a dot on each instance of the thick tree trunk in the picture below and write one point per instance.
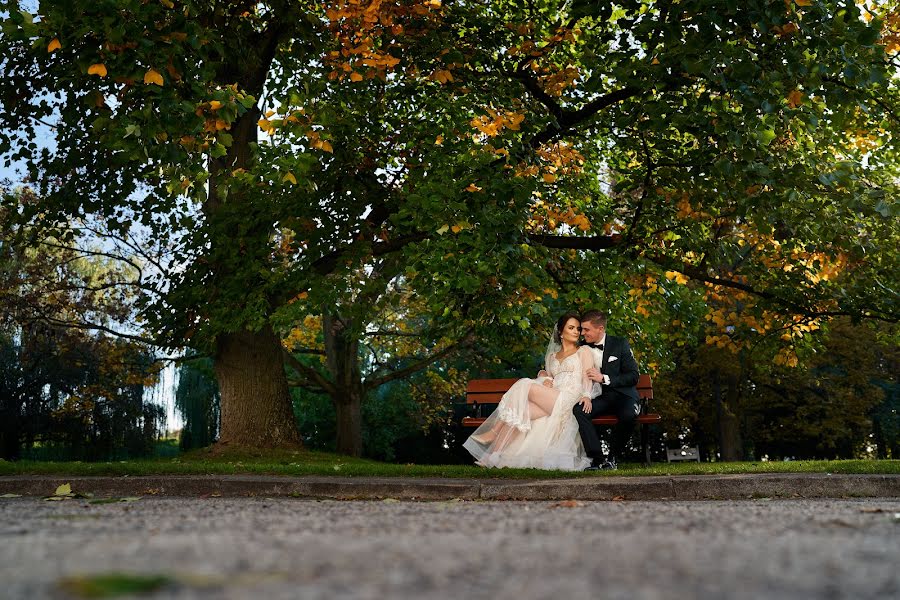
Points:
(349, 422)
(730, 445)
(342, 354)
(256, 406)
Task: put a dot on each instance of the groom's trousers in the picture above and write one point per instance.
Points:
(611, 402)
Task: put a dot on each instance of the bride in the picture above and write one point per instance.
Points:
(533, 426)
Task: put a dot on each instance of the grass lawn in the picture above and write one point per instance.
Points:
(296, 463)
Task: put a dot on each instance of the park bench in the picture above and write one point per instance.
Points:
(483, 395)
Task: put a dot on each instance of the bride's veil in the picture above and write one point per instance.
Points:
(553, 346)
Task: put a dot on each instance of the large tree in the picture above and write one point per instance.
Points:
(461, 142)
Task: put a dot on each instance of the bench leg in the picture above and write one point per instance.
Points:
(645, 443)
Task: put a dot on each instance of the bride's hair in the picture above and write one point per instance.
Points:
(561, 323)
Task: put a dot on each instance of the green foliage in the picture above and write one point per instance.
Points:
(747, 148)
(64, 398)
(396, 425)
(829, 406)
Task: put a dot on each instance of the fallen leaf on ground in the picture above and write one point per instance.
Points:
(568, 504)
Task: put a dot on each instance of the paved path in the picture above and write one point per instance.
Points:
(300, 548)
(600, 487)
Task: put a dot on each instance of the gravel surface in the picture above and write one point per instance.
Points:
(285, 548)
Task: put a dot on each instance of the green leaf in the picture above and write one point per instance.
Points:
(868, 36)
(766, 136)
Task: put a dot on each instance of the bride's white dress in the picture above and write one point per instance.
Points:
(550, 442)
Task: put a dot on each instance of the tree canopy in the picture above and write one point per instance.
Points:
(491, 155)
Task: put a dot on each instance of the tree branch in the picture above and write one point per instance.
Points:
(700, 275)
(570, 119)
(311, 374)
(370, 384)
(595, 242)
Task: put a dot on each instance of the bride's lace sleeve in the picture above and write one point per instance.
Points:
(586, 360)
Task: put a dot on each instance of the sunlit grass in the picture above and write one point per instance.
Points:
(303, 462)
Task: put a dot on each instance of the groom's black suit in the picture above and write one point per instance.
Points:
(619, 398)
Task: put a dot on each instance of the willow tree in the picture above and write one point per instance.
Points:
(281, 150)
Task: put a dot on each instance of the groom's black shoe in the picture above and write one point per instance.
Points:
(596, 465)
(609, 464)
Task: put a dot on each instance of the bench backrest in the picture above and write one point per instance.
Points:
(486, 391)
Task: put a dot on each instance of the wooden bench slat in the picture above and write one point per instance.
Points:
(492, 390)
(489, 385)
(485, 398)
(648, 419)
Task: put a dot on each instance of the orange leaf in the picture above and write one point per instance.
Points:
(326, 146)
(153, 77)
(568, 504)
(354, 76)
(795, 99)
(97, 69)
(214, 105)
(54, 45)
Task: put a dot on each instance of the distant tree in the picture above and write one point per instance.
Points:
(197, 401)
(70, 378)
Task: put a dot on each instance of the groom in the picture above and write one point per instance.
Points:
(615, 376)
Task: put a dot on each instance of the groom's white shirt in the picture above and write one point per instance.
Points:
(596, 387)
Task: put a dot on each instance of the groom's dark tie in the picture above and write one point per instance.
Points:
(597, 346)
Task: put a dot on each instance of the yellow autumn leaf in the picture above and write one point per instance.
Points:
(795, 98)
(54, 45)
(264, 124)
(443, 230)
(439, 140)
(456, 229)
(549, 177)
(63, 490)
(289, 177)
(214, 105)
(473, 188)
(152, 77)
(354, 76)
(326, 146)
(97, 69)
(443, 76)
(803, 2)
(678, 277)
